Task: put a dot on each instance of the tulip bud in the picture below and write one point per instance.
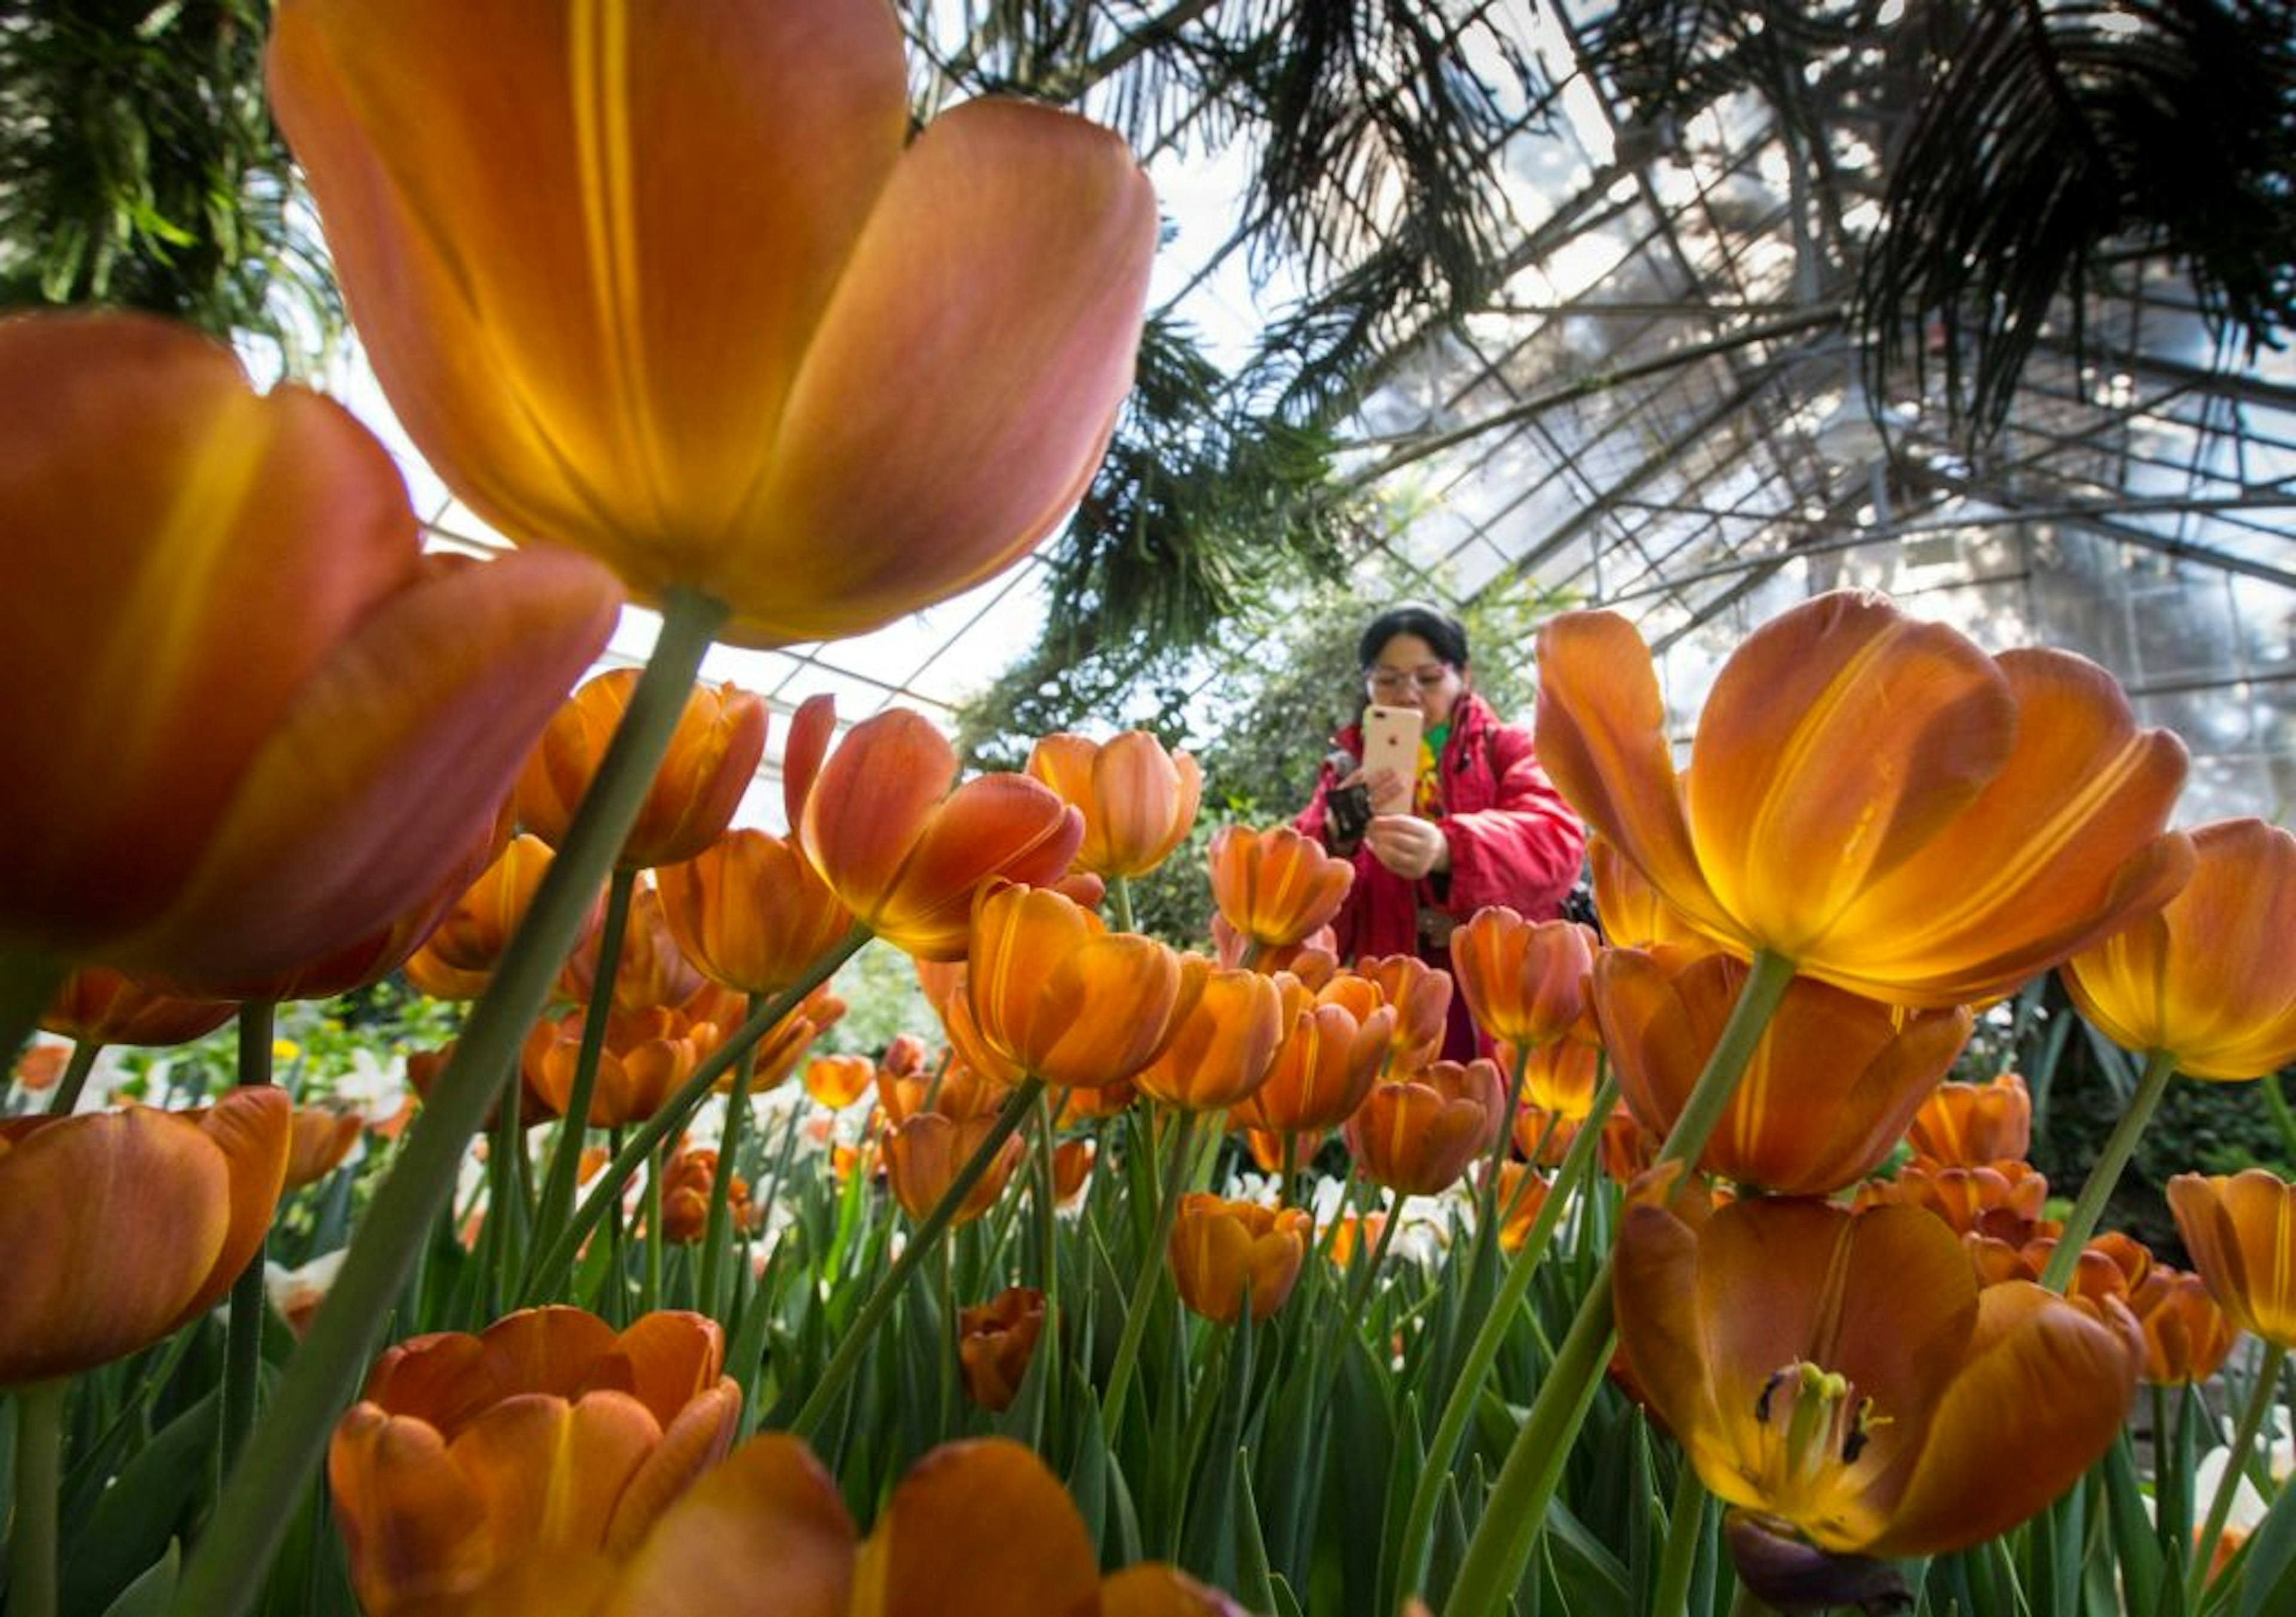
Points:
(994, 1343)
(1221, 1249)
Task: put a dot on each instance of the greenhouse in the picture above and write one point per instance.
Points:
(1284, 807)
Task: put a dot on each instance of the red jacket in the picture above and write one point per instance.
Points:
(1512, 839)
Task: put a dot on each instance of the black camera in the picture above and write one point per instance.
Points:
(1347, 810)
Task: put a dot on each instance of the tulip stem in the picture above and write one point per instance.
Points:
(716, 1235)
(2081, 1223)
(28, 982)
(1516, 1510)
(1467, 1387)
(1049, 1228)
(1151, 1270)
(39, 1473)
(565, 1175)
(673, 1114)
(1390, 1219)
(66, 1099)
(242, 1361)
(1670, 1595)
(2243, 1444)
(227, 1566)
(1505, 1143)
(1119, 899)
(922, 1241)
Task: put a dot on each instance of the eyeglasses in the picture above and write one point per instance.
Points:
(1382, 680)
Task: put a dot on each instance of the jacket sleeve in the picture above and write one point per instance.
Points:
(1525, 849)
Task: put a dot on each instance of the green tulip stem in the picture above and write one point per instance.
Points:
(2278, 1105)
(1506, 1144)
(717, 1233)
(2243, 1444)
(2081, 1223)
(1670, 1595)
(242, 1356)
(66, 1099)
(565, 1175)
(1151, 1271)
(657, 1240)
(921, 1243)
(1119, 899)
(229, 1563)
(1046, 1197)
(28, 982)
(1291, 1167)
(675, 1113)
(1509, 1530)
(1467, 1389)
(39, 1473)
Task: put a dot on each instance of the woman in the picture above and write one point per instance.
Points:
(1481, 824)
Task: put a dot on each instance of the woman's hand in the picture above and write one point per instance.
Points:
(1390, 794)
(1407, 845)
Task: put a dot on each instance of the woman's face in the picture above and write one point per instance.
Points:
(1408, 673)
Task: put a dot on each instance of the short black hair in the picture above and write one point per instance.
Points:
(1445, 636)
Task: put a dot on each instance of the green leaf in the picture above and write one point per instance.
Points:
(2268, 1585)
(148, 1505)
(152, 1590)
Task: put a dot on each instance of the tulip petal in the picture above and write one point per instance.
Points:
(588, 295)
(549, 1472)
(871, 799)
(2062, 848)
(410, 1519)
(977, 1529)
(803, 747)
(253, 1129)
(2058, 1377)
(561, 1351)
(930, 439)
(2241, 1231)
(395, 755)
(1109, 1005)
(1601, 735)
(1151, 1589)
(992, 825)
(693, 1439)
(765, 1531)
(153, 502)
(672, 1357)
(1799, 798)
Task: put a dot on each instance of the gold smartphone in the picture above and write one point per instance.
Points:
(1391, 742)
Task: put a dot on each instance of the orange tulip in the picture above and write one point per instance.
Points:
(1827, 1093)
(994, 1343)
(1418, 1136)
(712, 760)
(646, 1058)
(318, 1140)
(458, 959)
(1873, 798)
(106, 1007)
(2240, 1229)
(1524, 982)
(1842, 1377)
(262, 718)
(548, 1435)
(976, 1529)
(424, 1066)
(1311, 959)
(1072, 1107)
(1324, 1067)
(837, 1081)
(1052, 991)
(959, 1092)
(776, 1055)
(2209, 978)
(1523, 1191)
(2188, 1337)
(1072, 1161)
(687, 1180)
(1275, 886)
(1222, 1040)
(121, 1227)
(651, 972)
(1420, 995)
(1999, 1201)
(1969, 1125)
(1558, 1077)
(1220, 1250)
(924, 1155)
(1137, 799)
(896, 401)
(905, 854)
(751, 912)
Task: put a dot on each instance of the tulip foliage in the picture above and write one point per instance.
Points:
(1137, 1275)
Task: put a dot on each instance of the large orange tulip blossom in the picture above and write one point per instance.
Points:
(672, 284)
(1873, 798)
